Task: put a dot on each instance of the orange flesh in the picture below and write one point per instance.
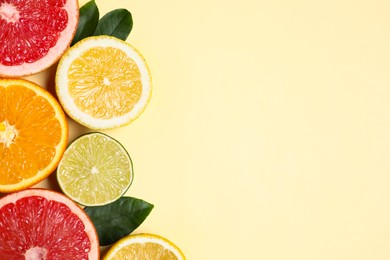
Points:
(29, 134)
(102, 86)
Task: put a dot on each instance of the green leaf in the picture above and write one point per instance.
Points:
(88, 20)
(117, 23)
(119, 218)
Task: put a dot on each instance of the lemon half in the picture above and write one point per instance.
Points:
(103, 82)
(144, 246)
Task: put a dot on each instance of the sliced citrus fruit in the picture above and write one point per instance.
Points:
(144, 246)
(33, 134)
(95, 170)
(34, 34)
(43, 224)
(103, 82)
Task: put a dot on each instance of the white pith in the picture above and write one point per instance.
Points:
(9, 13)
(106, 81)
(94, 170)
(8, 133)
(36, 253)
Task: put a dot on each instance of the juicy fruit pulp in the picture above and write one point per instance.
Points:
(29, 229)
(144, 246)
(103, 82)
(33, 134)
(37, 33)
(95, 170)
(116, 81)
(41, 224)
(146, 250)
(34, 33)
(37, 151)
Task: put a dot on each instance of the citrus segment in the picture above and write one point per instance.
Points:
(34, 34)
(95, 170)
(33, 134)
(144, 246)
(103, 82)
(120, 94)
(43, 224)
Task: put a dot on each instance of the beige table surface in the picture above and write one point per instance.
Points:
(268, 132)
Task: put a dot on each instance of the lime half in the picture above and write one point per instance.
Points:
(95, 170)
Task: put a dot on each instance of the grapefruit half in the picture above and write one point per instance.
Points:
(34, 34)
(43, 224)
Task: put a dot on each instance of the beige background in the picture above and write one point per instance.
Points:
(267, 135)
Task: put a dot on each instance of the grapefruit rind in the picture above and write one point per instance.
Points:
(54, 54)
(67, 101)
(94, 254)
(61, 146)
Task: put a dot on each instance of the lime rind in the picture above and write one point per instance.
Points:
(95, 170)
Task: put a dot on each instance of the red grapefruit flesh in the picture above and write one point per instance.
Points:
(34, 34)
(43, 224)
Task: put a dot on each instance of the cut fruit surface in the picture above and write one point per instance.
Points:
(43, 224)
(95, 170)
(144, 246)
(33, 134)
(103, 82)
(34, 34)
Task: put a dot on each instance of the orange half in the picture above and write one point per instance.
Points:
(33, 134)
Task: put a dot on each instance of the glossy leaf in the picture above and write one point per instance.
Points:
(119, 218)
(117, 23)
(88, 21)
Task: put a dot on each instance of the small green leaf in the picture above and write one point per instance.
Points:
(119, 218)
(117, 23)
(88, 20)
